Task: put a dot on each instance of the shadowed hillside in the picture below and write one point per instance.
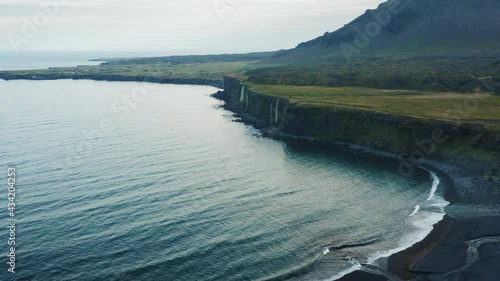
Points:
(408, 26)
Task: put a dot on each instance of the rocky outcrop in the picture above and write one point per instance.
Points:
(468, 146)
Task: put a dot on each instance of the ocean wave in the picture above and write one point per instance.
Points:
(417, 208)
(435, 184)
(355, 245)
(422, 221)
(353, 268)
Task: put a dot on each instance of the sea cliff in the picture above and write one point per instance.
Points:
(471, 147)
(465, 157)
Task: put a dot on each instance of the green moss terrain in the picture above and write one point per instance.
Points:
(472, 71)
(473, 108)
(208, 69)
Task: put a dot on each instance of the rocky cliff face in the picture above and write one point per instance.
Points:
(471, 147)
(271, 110)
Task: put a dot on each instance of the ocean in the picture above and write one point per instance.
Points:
(43, 60)
(140, 181)
(29, 60)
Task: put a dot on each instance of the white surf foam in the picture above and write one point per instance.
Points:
(435, 184)
(417, 208)
(343, 273)
(422, 221)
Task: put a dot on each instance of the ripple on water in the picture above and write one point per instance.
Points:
(177, 190)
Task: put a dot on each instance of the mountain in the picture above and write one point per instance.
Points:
(409, 26)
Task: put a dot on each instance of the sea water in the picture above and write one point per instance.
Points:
(139, 181)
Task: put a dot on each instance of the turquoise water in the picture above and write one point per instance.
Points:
(137, 181)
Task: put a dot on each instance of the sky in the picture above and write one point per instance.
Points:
(173, 27)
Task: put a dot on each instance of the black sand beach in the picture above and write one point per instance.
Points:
(465, 245)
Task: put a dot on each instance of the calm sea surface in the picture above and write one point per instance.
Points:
(26, 60)
(137, 181)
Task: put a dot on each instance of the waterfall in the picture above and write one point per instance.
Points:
(271, 111)
(246, 101)
(277, 107)
(242, 95)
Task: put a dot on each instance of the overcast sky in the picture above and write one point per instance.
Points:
(180, 26)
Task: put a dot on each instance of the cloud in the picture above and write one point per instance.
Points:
(337, 9)
(180, 24)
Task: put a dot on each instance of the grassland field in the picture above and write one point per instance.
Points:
(473, 108)
(267, 77)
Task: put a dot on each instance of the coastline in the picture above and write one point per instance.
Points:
(472, 217)
(445, 253)
(442, 253)
(115, 78)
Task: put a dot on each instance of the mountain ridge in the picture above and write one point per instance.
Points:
(408, 26)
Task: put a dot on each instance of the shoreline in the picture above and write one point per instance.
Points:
(117, 78)
(424, 260)
(475, 214)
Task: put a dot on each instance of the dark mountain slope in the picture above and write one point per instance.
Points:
(409, 25)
